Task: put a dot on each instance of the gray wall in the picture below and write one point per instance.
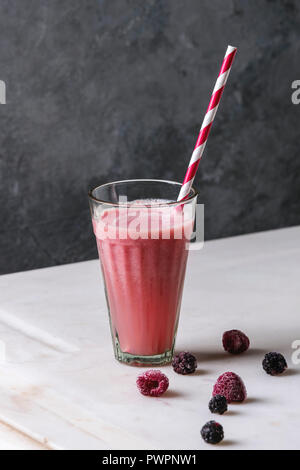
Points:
(104, 89)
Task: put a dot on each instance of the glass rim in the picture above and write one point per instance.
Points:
(192, 195)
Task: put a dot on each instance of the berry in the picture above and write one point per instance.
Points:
(231, 386)
(153, 383)
(212, 432)
(218, 404)
(235, 341)
(274, 363)
(184, 363)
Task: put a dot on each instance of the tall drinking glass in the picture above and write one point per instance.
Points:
(142, 236)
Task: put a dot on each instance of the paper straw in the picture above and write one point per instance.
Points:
(207, 123)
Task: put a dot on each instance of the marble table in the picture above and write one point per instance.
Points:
(60, 387)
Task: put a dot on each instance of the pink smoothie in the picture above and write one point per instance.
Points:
(143, 257)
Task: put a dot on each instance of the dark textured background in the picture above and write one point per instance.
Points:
(108, 89)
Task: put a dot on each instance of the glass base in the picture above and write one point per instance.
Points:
(136, 360)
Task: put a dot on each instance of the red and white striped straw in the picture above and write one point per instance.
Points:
(207, 123)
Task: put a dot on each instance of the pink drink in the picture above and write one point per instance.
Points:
(143, 256)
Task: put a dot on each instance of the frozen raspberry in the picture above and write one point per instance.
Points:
(184, 363)
(235, 341)
(153, 383)
(218, 404)
(274, 363)
(212, 432)
(231, 386)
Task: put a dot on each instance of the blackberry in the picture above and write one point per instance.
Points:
(212, 432)
(184, 363)
(274, 363)
(218, 404)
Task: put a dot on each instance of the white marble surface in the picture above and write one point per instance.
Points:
(61, 388)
